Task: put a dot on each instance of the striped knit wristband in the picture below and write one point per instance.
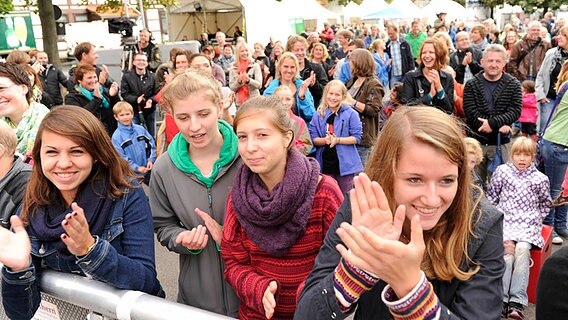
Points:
(350, 283)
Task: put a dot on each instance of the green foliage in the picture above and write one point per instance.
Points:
(531, 5)
(493, 3)
(6, 6)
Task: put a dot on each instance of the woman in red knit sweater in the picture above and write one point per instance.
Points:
(278, 213)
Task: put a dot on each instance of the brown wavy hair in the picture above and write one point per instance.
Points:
(446, 243)
(441, 50)
(87, 131)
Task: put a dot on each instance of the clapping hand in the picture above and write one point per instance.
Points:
(103, 75)
(214, 228)
(194, 239)
(268, 301)
(113, 91)
(15, 247)
(77, 236)
(373, 238)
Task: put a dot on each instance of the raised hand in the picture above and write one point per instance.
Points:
(195, 239)
(77, 236)
(103, 76)
(370, 209)
(268, 300)
(113, 91)
(392, 261)
(214, 228)
(15, 248)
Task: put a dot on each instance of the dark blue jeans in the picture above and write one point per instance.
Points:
(555, 163)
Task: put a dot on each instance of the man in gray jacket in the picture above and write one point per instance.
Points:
(14, 175)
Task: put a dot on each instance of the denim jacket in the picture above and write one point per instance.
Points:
(306, 107)
(346, 124)
(123, 257)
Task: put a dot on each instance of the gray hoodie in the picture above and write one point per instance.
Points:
(173, 197)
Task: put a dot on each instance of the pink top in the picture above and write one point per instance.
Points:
(529, 113)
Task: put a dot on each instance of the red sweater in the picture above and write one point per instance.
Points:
(249, 269)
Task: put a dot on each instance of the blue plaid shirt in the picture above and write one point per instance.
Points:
(396, 58)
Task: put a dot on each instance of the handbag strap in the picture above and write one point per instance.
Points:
(498, 140)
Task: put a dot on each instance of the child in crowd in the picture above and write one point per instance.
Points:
(382, 60)
(562, 199)
(391, 105)
(522, 193)
(302, 140)
(474, 157)
(133, 142)
(335, 130)
(529, 112)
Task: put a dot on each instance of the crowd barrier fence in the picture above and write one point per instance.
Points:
(72, 297)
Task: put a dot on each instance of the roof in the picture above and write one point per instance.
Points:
(184, 6)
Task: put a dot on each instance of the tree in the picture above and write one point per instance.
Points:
(6, 6)
(491, 4)
(48, 30)
(531, 5)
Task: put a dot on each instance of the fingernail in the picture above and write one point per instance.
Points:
(64, 236)
(74, 213)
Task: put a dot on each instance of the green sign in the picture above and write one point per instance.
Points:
(16, 32)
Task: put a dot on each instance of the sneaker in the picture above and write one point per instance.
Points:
(505, 311)
(562, 232)
(516, 311)
(556, 238)
(560, 201)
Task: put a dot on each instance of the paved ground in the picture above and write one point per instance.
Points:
(168, 270)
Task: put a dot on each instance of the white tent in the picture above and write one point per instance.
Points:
(368, 7)
(307, 10)
(452, 9)
(409, 8)
(352, 10)
(264, 19)
(184, 6)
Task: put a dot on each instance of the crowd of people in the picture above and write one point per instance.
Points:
(385, 170)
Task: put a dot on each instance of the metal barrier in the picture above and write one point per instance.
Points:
(76, 297)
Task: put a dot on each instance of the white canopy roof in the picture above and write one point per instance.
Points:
(307, 9)
(183, 6)
(452, 9)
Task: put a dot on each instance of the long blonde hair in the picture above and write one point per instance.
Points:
(323, 104)
(562, 76)
(446, 243)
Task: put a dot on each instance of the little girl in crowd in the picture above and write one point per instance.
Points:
(335, 130)
(382, 60)
(391, 105)
(474, 157)
(562, 199)
(522, 193)
(529, 112)
(302, 141)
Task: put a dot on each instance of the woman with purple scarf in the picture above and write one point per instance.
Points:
(278, 213)
(83, 213)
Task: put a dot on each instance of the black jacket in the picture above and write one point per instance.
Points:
(408, 63)
(415, 89)
(479, 298)
(456, 59)
(105, 115)
(321, 79)
(507, 100)
(132, 86)
(50, 79)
